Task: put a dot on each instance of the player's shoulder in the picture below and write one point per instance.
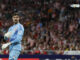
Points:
(20, 25)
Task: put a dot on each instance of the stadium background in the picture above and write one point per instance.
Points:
(51, 26)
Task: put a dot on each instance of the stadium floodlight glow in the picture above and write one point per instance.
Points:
(75, 5)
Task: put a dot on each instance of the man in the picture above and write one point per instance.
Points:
(14, 34)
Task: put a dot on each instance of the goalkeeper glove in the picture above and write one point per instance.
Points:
(8, 35)
(4, 46)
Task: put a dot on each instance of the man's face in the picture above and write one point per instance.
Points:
(15, 18)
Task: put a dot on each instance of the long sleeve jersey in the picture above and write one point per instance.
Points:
(17, 32)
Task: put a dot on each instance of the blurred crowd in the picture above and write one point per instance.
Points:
(51, 26)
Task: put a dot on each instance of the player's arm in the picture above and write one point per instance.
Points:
(9, 33)
(18, 37)
(7, 36)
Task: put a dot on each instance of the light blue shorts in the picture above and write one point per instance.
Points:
(14, 54)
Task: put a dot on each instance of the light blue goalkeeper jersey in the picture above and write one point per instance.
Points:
(16, 36)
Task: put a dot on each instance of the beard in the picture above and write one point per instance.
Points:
(15, 21)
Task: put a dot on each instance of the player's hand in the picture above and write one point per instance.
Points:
(8, 35)
(4, 46)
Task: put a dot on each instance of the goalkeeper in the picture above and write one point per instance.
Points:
(14, 34)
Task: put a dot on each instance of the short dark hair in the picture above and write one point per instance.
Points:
(15, 14)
